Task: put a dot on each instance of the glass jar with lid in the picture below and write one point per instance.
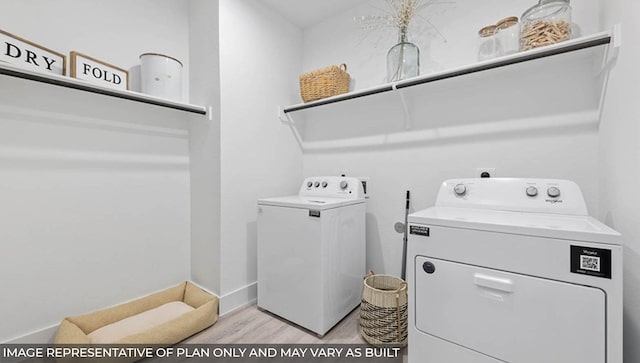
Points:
(488, 45)
(545, 23)
(508, 35)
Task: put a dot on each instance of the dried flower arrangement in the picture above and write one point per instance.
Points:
(403, 11)
(403, 59)
(399, 14)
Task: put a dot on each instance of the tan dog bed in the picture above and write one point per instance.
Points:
(166, 317)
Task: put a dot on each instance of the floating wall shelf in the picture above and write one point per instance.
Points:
(66, 85)
(558, 86)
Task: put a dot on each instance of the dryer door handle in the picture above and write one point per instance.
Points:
(495, 283)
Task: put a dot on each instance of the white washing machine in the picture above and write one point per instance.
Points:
(311, 252)
(513, 270)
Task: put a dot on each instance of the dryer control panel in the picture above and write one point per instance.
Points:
(514, 194)
(332, 187)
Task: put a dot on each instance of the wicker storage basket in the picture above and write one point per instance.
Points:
(325, 82)
(383, 310)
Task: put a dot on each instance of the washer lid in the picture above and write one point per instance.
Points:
(572, 227)
(318, 203)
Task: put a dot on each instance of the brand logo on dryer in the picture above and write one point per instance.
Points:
(553, 201)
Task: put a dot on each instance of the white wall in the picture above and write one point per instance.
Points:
(620, 161)
(94, 206)
(259, 64)
(204, 143)
(420, 168)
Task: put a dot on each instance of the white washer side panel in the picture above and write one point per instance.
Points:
(344, 257)
(310, 269)
(289, 264)
(511, 317)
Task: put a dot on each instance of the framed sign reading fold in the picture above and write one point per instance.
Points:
(26, 54)
(98, 72)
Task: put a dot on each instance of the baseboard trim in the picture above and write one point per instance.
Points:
(238, 298)
(42, 336)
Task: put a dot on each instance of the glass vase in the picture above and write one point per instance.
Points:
(403, 60)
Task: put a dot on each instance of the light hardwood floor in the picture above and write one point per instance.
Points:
(251, 325)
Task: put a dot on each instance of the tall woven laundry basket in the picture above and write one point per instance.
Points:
(383, 310)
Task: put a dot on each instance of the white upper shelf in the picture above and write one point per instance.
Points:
(64, 82)
(561, 85)
(533, 54)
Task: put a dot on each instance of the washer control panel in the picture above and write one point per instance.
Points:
(514, 194)
(332, 187)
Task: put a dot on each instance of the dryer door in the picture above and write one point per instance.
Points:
(511, 317)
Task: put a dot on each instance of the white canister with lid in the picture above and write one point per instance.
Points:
(161, 76)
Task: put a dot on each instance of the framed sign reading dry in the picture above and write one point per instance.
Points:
(29, 55)
(98, 72)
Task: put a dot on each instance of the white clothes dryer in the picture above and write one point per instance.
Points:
(311, 252)
(513, 270)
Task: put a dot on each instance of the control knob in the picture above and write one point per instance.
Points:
(532, 191)
(324, 183)
(460, 189)
(553, 192)
(344, 184)
(316, 184)
(309, 184)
